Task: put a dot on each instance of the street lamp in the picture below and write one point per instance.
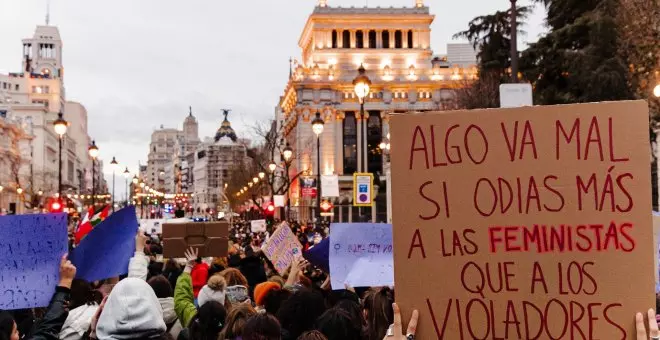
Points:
(272, 166)
(656, 91)
(287, 152)
(362, 86)
(255, 180)
(60, 125)
(93, 151)
(261, 175)
(113, 165)
(317, 127)
(127, 175)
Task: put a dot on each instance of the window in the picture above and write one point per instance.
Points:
(398, 39)
(372, 39)
(374, 137)
(386, 39)
(334, 38)
(17, 87)
(359, 39)
(346, 37)
(410, 39)
(350, 144)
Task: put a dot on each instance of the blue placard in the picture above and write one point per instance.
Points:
(107, 249)
(31, 247)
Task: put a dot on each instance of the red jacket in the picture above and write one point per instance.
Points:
(199, 274)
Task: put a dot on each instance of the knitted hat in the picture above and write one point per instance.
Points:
(214, 290)
(262, 289)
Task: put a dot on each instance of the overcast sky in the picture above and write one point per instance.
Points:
(137, 64)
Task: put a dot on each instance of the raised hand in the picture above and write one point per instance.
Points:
(654, 334)
(140, 241)
(67, 272)
(397, 328)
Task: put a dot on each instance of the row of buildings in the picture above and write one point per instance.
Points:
(179, 162)
(30, 101)
(394, 47)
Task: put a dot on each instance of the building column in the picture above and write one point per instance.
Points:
(379, 38)
(392, 38)
(353, 40)
(373, 211)
(404, 38)
(339, 142)
(415, 39)
(340, 38)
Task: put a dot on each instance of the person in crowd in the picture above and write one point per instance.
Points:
(236, 321)
(237, 286)
(354, 310)
(252, 268)
(377, 308)
(337, 324)
(51, 323)
(82, 307)
(172, 271)
(298, 313)
(269, 296)
(130, 311)
(262, 326)
(199, 275)
(395, 331)
(312, 335)
(219, 264)
(206, 322)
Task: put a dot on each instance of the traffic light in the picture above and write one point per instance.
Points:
(55, 205)
(270, 209)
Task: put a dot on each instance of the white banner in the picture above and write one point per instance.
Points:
(330, 185)
(278, 200)
(258, 226)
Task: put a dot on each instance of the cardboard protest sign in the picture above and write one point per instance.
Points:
(656, 250)
(282, 248)
(523, 223)
(31, 248)
(107, 249)
(258, 226)
(361, 255)
(210, 238)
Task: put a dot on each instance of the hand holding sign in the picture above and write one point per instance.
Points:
(653, 326)
(67, 272)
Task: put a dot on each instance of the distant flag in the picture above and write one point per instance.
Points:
(91, 219)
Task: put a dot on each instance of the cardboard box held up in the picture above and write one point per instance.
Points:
(524, 223)
(211, 238)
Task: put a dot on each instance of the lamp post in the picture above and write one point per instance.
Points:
(514, 42)
(317, 127)
(60, 125)
(93, 151)
(287, 153)
(127, 175)
(362, 86)
(113, 165)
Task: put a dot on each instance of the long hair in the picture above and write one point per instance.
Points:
(83, 294)
(379, 314)
(6, 325)
(208, 322)
(234, 277)
(299, 312)
(337, 324)
(236, 321)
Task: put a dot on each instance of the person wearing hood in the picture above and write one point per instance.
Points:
(130, 311)
(207, 322)
(138, 268)
(51, 323)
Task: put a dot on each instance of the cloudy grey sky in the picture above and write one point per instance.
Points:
(137, 64)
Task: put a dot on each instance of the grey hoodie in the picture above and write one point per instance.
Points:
(131, 311)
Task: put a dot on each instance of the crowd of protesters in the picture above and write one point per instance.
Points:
(240, 297)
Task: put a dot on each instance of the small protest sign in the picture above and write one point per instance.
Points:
(107, 249)
(258, 226)
(330, 185)
(31, 247)
(524, 223)
(282, 248)
(361, 255)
